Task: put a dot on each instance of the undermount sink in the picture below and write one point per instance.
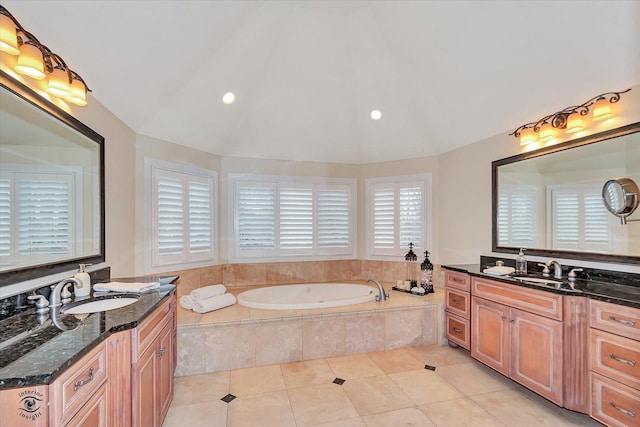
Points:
(95, 306)
(539, 280)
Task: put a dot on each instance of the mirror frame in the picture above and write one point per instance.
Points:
(579, 142)
(36, 271)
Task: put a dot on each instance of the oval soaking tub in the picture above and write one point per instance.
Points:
(308, 295)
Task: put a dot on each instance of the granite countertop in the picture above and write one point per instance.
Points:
(47, 350)
(601, 289)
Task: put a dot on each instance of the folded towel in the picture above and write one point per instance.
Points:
(186, 301)
(499, 271)
(213, 303)
(132, 287)
(208, 292)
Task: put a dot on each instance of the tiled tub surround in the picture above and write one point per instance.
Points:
(240, 337)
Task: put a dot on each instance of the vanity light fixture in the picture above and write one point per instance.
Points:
(570, 119)
(38, 61)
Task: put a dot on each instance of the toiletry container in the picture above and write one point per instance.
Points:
(84, 289)
(521, 263)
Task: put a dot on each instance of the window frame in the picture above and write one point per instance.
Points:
(277, 253)
(398, 252)
(153, 263)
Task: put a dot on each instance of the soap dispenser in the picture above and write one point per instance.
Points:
(84, 289)
(521, 263)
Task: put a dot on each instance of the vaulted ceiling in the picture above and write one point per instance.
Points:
(306, 73)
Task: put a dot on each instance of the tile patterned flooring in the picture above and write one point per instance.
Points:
(387, 388)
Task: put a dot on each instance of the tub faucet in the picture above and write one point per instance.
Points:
(383, 296)
(557, 268)
(55, 298)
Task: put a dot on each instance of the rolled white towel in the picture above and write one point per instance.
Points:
(213, 303)
(130, 287)
(186, 301)
(208, 292)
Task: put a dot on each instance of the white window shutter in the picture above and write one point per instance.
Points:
(410, 223)
(296, 218)
(200, 217)
(516, 216)
(5, 218)
(170, 216)
(256, 217)
(384, 219)
(334, 219)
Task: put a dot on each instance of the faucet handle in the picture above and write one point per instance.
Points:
(546, 268)
(572, 274)
(42, 305)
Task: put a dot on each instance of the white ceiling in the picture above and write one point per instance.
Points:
(307, 73)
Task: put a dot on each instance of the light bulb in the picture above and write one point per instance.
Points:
(375, 114)
(229, 98)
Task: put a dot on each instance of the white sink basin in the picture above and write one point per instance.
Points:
(537, 280)
(99, 305)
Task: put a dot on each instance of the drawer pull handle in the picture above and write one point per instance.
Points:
(623, 321)
(455, 279)
(617, 359)
(160, 352)
(79, 384)
(624, 411)
(458, 330)
(457, 301)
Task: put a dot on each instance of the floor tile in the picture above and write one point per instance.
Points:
(462, 412)
(320, 404)
(354, 366)
(306, 373)
(425, 386)
(203, 414)
(352, 422)
(262, 379)
(474, 378)
(396, 360)
(408, 417)
(373, 395)
(265, 410)
(440, 355)
(200, 388)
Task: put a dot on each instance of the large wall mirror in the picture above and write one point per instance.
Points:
(51, 187)
(550, 200)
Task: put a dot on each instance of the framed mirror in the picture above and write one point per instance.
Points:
(51, 187)
(549, 201)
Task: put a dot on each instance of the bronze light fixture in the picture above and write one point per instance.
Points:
(569, 119)
(38, 61)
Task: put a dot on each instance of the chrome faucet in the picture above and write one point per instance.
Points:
(59, 292)
(557, 268)
(383, 296)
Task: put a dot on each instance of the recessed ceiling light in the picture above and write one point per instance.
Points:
(375, 114)
(229, 98)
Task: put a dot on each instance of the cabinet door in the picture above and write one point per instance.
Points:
(536, 353)
(490, 337)
(144, 389)
(94, 413)
(164, 372)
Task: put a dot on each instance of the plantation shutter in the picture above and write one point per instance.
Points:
(171, 218)
(296, 218)
(200, 217)
(255, 213)
(5, 217)
(410, 217)
(334, 218)
(516, 216)
(384, 219)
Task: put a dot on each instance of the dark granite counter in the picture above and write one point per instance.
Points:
(34, 350)
(603, 290)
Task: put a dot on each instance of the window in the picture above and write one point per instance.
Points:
(279, 217)
(579, 219)
(39, 218)
(181, 211)
(398, 214)
(516, 216)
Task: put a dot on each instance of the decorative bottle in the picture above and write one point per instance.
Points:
(521, 263)
(427, 274)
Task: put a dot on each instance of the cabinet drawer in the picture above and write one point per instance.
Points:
(614, 404)
(534, 301)
(148, 330)
(615, 318)
(76, 386)
(94, 412)
(456, 280)
(616, 357)
(457, 330)
(457, 302)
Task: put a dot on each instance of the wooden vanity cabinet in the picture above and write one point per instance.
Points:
(615, 364)
(457, 308)
(153, 350)
(520, 333)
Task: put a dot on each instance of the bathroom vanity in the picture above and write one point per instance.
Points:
(114, 369)
(578, 346)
